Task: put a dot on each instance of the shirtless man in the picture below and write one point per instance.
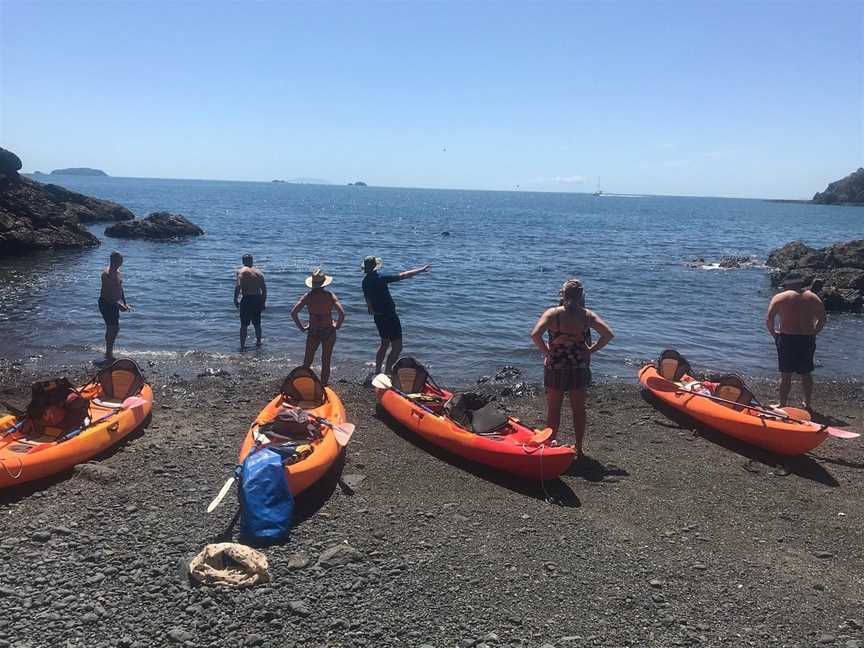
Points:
(112, 300)
(802, 316)
(250, 284)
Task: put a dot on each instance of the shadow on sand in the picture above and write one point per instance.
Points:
(592, 470)
(553, 491)
(18, 493)
(802, 466)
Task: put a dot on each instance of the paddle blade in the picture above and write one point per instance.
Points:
(382, 381)
(222, 493)
(343, 432)
(133, 402)
(841, 434)
(796, 412)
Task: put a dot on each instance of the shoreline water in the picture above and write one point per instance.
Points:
(500, 266)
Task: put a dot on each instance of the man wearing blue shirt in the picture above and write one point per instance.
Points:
(383, 309)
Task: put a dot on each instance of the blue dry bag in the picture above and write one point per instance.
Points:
(266, 504)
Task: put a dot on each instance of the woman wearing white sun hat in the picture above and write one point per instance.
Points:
(321, 329)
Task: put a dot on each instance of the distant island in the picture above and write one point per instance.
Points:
(303, 180)
(78, 171)
(280, 181)
(846, 191)
(359, 183)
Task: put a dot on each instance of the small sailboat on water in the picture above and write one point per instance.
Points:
(599, 191)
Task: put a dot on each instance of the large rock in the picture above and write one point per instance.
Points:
(158, 226)
(38, 216)
(10, 163)
(87, 209)
(835, 273)
(846, 191)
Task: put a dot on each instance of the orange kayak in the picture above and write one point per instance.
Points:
(751, 425)
(35, 450)
(302, 389)
(514, 448)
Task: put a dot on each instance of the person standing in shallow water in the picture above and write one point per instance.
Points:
(802, 316)
(321, 329)
(112, 300)
(567, 356)
(251, 286)
(382, 308)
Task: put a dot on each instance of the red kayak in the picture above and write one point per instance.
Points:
(512, 447)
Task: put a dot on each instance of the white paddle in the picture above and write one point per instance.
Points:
(382, 381)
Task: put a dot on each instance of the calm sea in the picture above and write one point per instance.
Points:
(497, 259)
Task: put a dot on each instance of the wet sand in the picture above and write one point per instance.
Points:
(665, 537)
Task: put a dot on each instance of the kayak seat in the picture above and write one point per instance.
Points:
(672, 365)
(409, 376)
(118, 382)
(732, 388)
(303, 388)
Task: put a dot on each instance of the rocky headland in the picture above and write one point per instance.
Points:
(846, 191)
(37, 216)
(157, 226)
(79, 171)
(835, 273)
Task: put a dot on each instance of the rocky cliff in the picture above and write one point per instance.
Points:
(835, 273)
(846, 191)
(41, 216)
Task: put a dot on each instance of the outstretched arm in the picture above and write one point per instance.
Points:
(603, 329)
(538, 331)
(263, 291)
(772, 313)
(295, 313)
(413, 273)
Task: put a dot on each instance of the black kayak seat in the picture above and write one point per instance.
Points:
(409, 376)
(122, 379)
(732, 387)
(303, 388)
(672, 365)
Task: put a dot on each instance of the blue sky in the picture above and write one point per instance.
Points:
(724, 99)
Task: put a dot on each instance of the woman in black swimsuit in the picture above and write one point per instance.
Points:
(567, 365)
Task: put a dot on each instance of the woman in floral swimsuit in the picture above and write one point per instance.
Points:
(567, 365)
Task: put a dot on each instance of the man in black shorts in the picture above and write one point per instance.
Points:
(383, 310)
(802, 316)
(112, 300)
(250, 284)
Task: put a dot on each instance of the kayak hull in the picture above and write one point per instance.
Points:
(304, 473)
(24, 459)
(775, 435)
(517, 453)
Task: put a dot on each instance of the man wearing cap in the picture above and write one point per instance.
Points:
(802, 316)
(383, 310)
(250, 285)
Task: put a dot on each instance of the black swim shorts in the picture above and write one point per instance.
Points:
(110, 312)
(795, 353)
(389, 327)
(250, 310)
